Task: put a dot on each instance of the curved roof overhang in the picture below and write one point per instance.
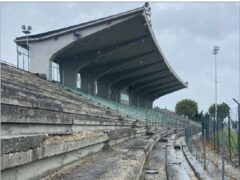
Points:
(125, 54)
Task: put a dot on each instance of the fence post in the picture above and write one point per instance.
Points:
(222, 148)
(214, 136)
(238, 130)
(204, 148)
(229, 139)
(238, 134)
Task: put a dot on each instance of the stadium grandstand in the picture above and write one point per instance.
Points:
(116, 58)
(83, 94)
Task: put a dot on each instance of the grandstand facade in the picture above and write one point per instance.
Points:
(116, 58)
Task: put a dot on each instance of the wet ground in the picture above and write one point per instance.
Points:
(165, 160)
(156, 163)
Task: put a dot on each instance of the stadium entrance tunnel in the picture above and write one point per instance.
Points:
(116, 58)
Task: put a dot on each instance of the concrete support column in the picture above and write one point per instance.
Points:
(148, 103)
(115, 95)
(141, 102)
(103, 89)
(133, 99)
(69, 69)
(87, 83)
(68, 75)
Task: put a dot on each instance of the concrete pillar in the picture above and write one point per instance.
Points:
(68, 75)
(133, 99)
(88, 83)
(115, 95)
(69, 69)
(148, 103)
(141, 102)
(103, 89)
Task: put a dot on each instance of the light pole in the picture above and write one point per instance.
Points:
(215, 52)
(26, 30)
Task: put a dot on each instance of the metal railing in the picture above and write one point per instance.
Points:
(147, 115)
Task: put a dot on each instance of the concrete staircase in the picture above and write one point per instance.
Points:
(44, 127)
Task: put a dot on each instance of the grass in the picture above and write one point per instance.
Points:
(233, 139)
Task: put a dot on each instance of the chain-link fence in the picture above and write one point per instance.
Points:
(216, 147)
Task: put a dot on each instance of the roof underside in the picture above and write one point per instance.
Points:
(125, 53)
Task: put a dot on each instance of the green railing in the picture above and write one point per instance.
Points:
(147, 115)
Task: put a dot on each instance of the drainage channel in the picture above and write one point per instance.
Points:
(154, 167)
(177, 166)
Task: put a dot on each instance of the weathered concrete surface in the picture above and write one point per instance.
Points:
(42, 166)
(45, 127)
(22, 95)
(27, 89)
(24, 120)
(177, 167)
(56, 151)
(155, 161)
(51, 147)
(123, 161)
(196, 166)
(15, 144)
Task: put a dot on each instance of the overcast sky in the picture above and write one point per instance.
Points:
(186, 33)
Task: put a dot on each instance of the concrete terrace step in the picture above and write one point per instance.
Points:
(28, 99)
(36, 82)
(123, 161)
(19, 92)
(25, 120)
(18, 89)
(35, 155)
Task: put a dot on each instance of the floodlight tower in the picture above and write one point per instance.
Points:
(215, 52)
(148, 11)
(27, 30)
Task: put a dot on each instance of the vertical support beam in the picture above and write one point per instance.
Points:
(87, 83)
(222, 149)
(214, 134)
(238, 134)
(68, 75)
(133, 99)
(204, 147)
(115, 96)
(17, 57)
(238, 130)
(103, 89)
(229, 139)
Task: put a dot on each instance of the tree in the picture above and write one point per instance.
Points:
(222, 111)
(187, 107)
(234, 124)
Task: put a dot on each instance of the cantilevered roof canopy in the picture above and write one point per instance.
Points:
(122, 51)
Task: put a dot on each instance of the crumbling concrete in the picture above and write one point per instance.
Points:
(123, 161)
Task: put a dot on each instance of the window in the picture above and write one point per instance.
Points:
(95, 87)
(124, 98)
(79, 82)
(55, 72)
(22, 58)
